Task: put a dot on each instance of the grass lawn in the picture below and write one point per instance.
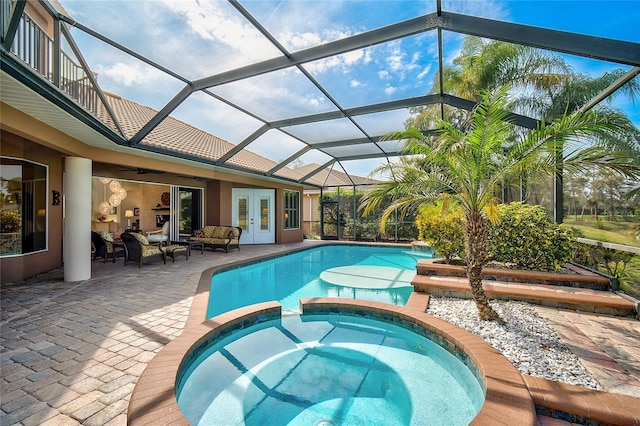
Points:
(618, 232)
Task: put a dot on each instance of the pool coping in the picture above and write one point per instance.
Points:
(153, 400)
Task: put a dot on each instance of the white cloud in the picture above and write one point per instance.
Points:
(384, 75)
(355, 83)
(424, 72)
(301, 41)
(343, 62)
(390, 90)
(395, 59)
(215, 21)
(125, 74)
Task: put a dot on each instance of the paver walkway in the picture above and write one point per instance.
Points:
(608, 347)
(71, 353)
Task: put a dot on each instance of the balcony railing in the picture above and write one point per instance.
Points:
(34, 46)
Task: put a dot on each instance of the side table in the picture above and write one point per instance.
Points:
(116, 245)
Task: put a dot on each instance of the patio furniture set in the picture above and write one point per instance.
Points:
(156, 245)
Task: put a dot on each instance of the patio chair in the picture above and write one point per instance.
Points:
(104, 246)
(161, 235)
(139, 249)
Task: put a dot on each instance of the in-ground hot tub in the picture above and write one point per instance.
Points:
(329, 369)
(154, 400)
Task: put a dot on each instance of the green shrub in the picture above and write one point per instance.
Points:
(10, 221)
(624, 266)
(442, 230)
(528, 238)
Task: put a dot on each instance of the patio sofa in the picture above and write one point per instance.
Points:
(218, 236)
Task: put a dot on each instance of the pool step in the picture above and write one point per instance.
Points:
(577, 299)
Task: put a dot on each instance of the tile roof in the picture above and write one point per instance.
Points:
(177, 136)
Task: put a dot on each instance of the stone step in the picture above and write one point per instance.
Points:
(577, 299)
(581, 279)
(575, 404)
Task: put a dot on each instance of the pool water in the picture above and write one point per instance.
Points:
(328, 370)
(289, 278)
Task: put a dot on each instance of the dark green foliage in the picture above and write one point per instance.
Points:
(527, 237)
(367, 227)
(624, 266)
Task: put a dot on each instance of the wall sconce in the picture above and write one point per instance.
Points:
(128, 214)
(42, 212)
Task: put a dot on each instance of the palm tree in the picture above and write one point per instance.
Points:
(546, 87)
(471, 165)
(543, 86)
(488, 65)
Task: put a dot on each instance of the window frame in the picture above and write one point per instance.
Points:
(43, 204)
(291, 209)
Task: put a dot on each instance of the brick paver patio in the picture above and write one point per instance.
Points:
(71, 353)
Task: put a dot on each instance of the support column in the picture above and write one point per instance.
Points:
(77, 220)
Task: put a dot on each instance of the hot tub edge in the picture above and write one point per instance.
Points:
(507, 399)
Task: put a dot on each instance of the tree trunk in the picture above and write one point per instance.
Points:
(475, 240)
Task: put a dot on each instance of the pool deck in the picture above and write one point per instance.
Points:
(71, 353)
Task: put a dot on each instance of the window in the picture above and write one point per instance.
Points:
(23, 206)
(291, 209)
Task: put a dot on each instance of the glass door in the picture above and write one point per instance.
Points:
(265, 203)
(253, 211)
(187, 210)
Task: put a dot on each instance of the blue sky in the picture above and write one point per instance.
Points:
(203, 38)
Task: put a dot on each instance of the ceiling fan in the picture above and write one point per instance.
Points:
(141, 171)
(196, 178)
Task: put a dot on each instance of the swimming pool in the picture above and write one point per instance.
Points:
(328, 370)
(375, 273)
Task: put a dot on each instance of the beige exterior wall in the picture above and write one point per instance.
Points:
(27, 138)
(17, 268)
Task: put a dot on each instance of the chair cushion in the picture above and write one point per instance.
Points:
(107, 236)
(220, 232)
(141, 238)
(209, 231)
(172, 249)
(148, 250)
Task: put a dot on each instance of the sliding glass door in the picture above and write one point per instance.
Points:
(187, 207)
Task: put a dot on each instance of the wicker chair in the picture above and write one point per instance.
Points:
(139, 250)
(103, 246)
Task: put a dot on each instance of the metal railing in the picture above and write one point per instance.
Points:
(36, 48)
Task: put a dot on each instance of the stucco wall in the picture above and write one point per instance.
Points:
(17, 268)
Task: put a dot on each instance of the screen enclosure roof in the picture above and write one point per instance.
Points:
(289, 89)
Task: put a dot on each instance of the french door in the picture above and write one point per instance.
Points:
(253, 210)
